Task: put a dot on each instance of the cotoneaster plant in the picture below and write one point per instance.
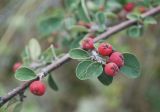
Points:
(101, 60)
(82, 29)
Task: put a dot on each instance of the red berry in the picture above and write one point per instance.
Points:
(111, 69)
(105, 49)
(37, 88)
(129, 7)
(117, 58)
(16, 66)
(88, 44)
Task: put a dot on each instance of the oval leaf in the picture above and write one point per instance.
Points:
(78, 28)
(25, 74)
(88, 69)
(69, 22)
(82, 69)
(52, 83)
(150, 20)
(105, 79)
(18, 107)
(131, 66)
(100, 18)
(133, 16)
(83, 3)
(78, 53)
(135, 31)
(34, 48)
(49, 24)
(94, 70)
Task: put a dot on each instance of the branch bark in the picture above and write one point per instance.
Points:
(112, 30)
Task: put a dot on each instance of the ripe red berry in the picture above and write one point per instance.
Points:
(105, 49)
(16, 66)
(88, 44)
(37, 88)
(129, 7)
(111, 69)
(117, 58)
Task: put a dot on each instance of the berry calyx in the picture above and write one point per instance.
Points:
(117, 58)
(88, 44)
(105, 49)
(16, 66)
(129, 7)
(111, 69)
(37, 88)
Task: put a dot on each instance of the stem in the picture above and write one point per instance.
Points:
(53, 52)
(66, 58)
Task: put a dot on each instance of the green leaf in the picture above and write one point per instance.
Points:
(25, 74)
(18, 107)
(71, 4)
(78, 54)
(52, 83)
(34, 48)
(100, 18)
(135, 31)
(105, 79)
(69, 22)
(79, 29)
(47, 55)
(76, 41)
(88, 69)
(113, 6)
(50, 24)
(131, 66)
(133, 16)
(91, 6)
(82, 69)
(26, 56)
(150, 20)
(94, 70)
(80, 14)
(83, 3)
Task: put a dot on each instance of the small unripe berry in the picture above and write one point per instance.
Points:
(88, 44)
(82, 23)
(16, 66)
(142, 9)
(129, 7)
(101, 8)
(37, 88)
(105, 49)
(117, 58)
(111, 69)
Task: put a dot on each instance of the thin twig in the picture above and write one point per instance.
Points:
(65, 58)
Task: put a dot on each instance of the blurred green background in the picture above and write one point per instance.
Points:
(18, 23)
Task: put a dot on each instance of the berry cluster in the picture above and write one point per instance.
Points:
(130, 6)
(114, 61)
